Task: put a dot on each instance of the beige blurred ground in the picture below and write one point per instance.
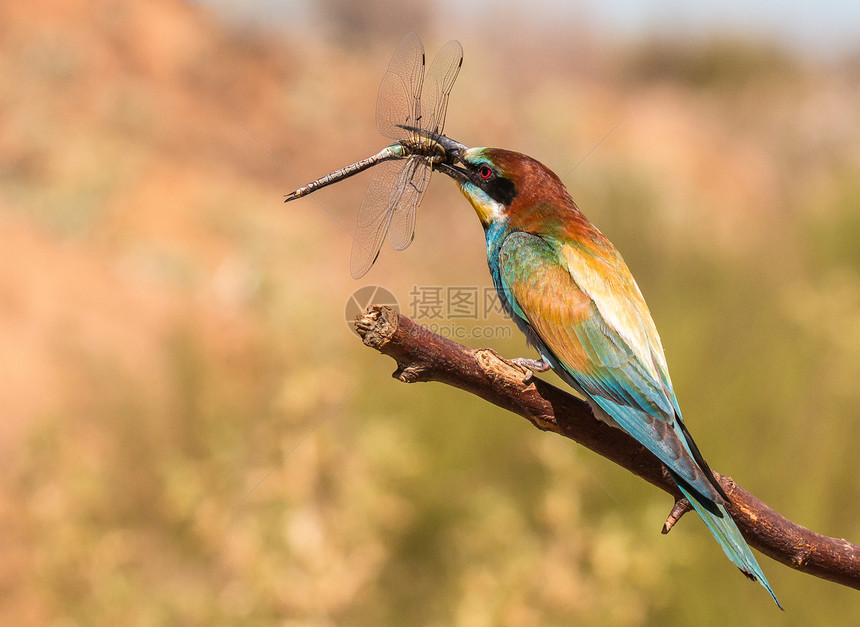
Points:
(171, 332)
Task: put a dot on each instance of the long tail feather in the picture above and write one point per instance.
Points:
(726, 532)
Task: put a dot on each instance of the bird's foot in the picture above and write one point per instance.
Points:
(530, 366)
(681, 507)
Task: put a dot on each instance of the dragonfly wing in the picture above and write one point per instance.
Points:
(374, 216)
(399, 98)
(411, 184)
(437, 86)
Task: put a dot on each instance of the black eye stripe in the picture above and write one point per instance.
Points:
(501, 190)
(497, 187)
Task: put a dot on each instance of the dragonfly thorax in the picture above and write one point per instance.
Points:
(424, 147)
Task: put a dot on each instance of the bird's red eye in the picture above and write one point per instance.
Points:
(485, 172)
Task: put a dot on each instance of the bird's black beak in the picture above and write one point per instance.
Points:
(460, 175)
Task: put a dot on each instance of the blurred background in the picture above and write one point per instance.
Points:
(190, 432)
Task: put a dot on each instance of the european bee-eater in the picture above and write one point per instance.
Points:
(568, 289)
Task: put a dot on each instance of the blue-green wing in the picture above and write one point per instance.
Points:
(593, 325)
(603, 341)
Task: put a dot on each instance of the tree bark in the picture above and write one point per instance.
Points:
(422, 355)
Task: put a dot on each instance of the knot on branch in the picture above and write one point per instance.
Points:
(681, 507)
(516, 383)
(802, 554)
(408, 374)
(502, 373)
(376, 326)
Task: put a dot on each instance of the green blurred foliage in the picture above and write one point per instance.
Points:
(719, 63)
(194, 436)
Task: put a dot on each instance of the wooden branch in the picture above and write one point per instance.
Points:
(422, 355)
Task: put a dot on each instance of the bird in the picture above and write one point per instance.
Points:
(571, 293)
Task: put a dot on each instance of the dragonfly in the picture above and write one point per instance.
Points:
(411, 109)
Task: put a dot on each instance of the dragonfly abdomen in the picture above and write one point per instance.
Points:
(394, 151)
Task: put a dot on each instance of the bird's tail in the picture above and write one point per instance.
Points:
(726, 532)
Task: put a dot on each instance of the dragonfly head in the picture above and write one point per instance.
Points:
(454, 150)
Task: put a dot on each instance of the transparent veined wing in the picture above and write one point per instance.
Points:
(399, 99)
(411, 184)
(438, 84)
(374, 216)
